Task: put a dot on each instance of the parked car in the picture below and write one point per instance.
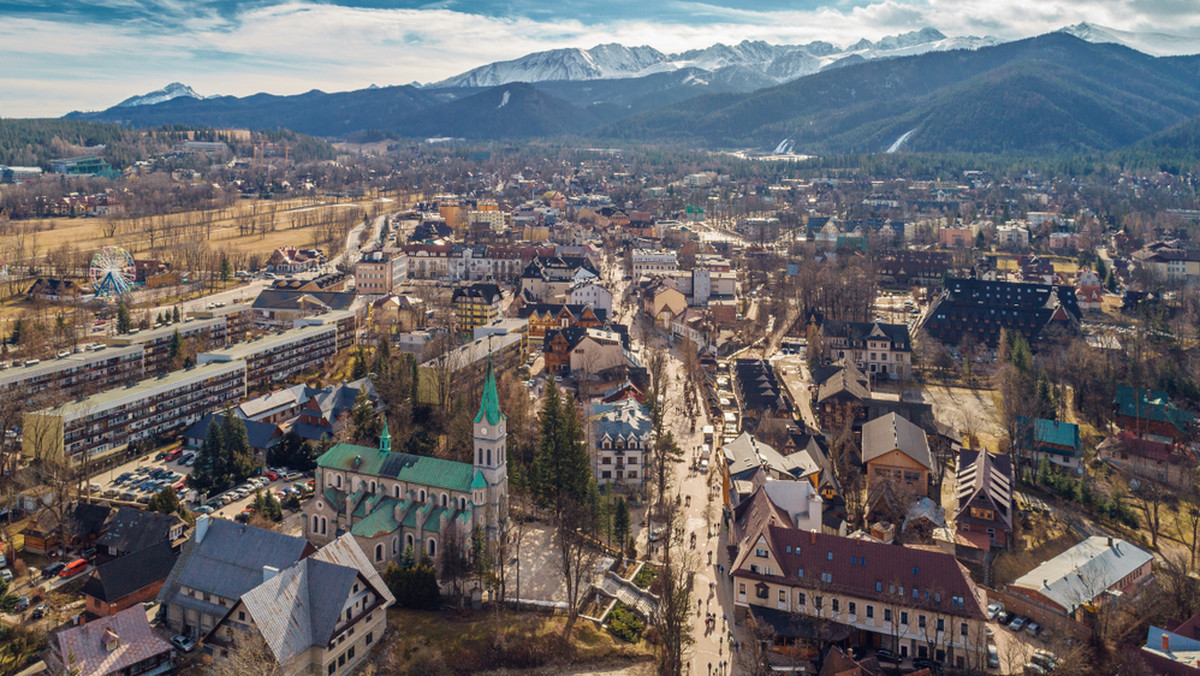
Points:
(1044, 659)
(6, 574)
(993, 657)
(40, 611)
(22, 603)
(1031, 669)
(1018, 623)
(272, 476)
(204, 509)
(993, 610)
(184, 643)
(53, 569)
(885, 655)
(88, 553)
(1033, 628)
(1004, 617)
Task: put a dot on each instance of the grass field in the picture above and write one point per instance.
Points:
(295, 223)
(434, 644)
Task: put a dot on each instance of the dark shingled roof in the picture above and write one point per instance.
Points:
(132, 530)
(981, 309)
(123, 576)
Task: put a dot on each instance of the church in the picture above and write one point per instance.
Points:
(390, 500)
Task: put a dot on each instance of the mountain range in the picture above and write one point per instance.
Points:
(1075, 89)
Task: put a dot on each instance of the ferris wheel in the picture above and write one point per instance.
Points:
(112, 272)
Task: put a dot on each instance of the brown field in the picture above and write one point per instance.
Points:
(295, 222)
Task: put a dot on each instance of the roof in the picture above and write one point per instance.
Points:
(984, 480)
(746, 454)
(489, 403)
(856, 334)
(417, 469)
(1083, 572)
(89, 519)
(268, 402)
(133, 530)
(912, 576)
(485, 291)
(124, 575)
(286, 299)
(891, 432)
(83, 647)
(260, 434)
(345, 551)
(982, 308)
(623, 418)
(1153, 405)
(226, 558)
(299, 606)
(1052, 432)
(98, 403)
(845, 379)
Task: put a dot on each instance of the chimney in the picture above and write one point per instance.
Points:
(1110, 541)
(812, 537)
(269, 572)
(857, 542)
(1166, 642)
(202, 524)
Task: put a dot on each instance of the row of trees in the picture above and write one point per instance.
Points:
(225, 458)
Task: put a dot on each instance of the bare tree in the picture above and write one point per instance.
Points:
(672, 615)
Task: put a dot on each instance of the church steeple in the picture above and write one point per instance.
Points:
(385, 439)
(489, 404)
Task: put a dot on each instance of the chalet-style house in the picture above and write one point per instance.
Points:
(1054, 440)
(912, 268)
(546, 316)
(129, 580)
(1085, 576)
(980, 309)
(841, 397)
(761, 394)
(896, 452)
(983, 514)
(123, 643)
(320, 616)
(878, 349)
(917, 602)
(391, 501)
(55, 290)
(1150, 413)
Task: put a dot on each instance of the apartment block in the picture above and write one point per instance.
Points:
(647, 260)
(207, 334)
(239, 319)
(93, 369)
(380, 272)
(280, 356)
(105, 423)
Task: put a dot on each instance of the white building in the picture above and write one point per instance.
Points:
(648, 260)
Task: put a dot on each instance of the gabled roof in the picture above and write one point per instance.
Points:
(984, 480)
(132, 530)
(226, 558)
(1153, 405)
(1054, 432)
(868, 570)
(891, 432)
(83, 647)
(746, 454)
(421, 470)
(299, 606)
(124, 575)
(1083, 572)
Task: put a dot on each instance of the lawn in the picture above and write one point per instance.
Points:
(435, 643)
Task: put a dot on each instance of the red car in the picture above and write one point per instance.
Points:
(272, 476)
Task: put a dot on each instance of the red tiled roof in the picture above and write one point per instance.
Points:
(856, 567)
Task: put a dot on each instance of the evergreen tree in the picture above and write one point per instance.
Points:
(267, 505)
(124, 324)
(365, 425)
(175, 315)
(164, 502)
(209, 470)
(175, 350)
(358, 368)
(241, 459)
(18, 328)
(621, 523)
(226, 269)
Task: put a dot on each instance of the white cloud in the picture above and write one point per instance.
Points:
(56, 65)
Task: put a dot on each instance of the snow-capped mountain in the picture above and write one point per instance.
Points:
(1154, 44)
(761, 62)
(172, 91)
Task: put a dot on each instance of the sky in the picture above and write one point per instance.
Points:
(62, 55)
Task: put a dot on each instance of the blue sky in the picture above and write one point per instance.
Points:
(63, 55)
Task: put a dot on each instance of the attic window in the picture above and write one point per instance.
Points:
(914, 570)
(829, 556)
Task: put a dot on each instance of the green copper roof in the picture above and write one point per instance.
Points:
(489, 405)
(479, 481)
(381, 520)
(414, 469)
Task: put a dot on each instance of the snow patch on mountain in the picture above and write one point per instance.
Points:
(174, 90)
(1154, 44)
(762, 62)
(504, 99)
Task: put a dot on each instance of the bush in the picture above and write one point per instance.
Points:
(646, 576)
(624, 623)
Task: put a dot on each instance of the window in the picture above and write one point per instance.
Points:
(941, 624)
(370, 637)
(887, 614)
(741, 588)
(921, 621)
(432, 547)
(826, 577)
(962, 628)
(903, 617)
(242, 615)
(332, 667)
(801, 600)
(853, 610)
(878, 586)
(350, 653)
(341, 659)
(870, 612)
(760, 590)
(800, 573)
(378, 553)
(836, 605)
(760, 553)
